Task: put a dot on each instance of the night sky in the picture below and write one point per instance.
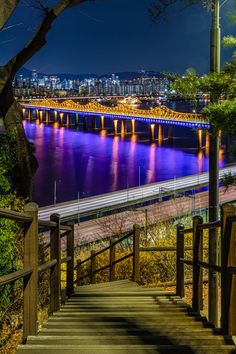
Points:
(114, 36)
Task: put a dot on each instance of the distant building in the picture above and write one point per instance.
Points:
(147, 85)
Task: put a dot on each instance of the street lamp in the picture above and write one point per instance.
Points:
(139, 176)
(214, 170)
(78, 209)
(55, 192)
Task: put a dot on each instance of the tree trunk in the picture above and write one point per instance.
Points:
(25, 163)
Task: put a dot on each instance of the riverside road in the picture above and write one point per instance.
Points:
(129, 196)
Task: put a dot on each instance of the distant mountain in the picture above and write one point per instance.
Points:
(28, 73)
(126, 75)
(130, 75)
(25, 72)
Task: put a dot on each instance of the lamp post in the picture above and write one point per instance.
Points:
(214, 170)
(139, 176)
(78, 209)
(55, 192)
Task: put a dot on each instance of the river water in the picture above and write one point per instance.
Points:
(74, 163)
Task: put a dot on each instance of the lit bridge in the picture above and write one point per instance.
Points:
(122, 112)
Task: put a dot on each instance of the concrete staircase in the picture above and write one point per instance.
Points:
(121, 317)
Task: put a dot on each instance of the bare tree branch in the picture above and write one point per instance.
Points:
(158, 10)
(10, 112)
(39, 38)
(40, 6)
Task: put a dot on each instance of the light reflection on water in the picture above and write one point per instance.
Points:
(96, 163)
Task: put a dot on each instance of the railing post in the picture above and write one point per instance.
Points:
(93, 266)
(228, 281)
(55, 274)
(78, 272)
(112, 260)
(226, 210)
(70, 264)
(197, 297)
(136, 240)
(30, 325)
(146, 227)
(179, 264)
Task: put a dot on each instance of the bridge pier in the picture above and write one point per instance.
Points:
(94, 126)
(50, 114)
(68, 120)
(23, 113)
(123, 127)
(85, 123)
(207, 143)
(199, 132)
(102, 118)
(61, 115)
(40, 116)
(160, 133)
(55, 116)
(47, 117)
(115, 126)
(76, 119)
(170, 133)
(152, 132)
(37, 113)
(133, 126)
(30, 113)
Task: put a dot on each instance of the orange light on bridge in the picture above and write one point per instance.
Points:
(102, 122)
(207, 143)
(152, 132)
(200, 138)
(61, 118)
(160, 134)
(115, 126)
(132, 126)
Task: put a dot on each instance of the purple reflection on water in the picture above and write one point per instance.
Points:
(93, 163)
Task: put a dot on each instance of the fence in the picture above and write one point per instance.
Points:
(31, 268)
(226, 267)
(135, 234)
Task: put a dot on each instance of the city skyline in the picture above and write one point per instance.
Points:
(143, 84)
(116, 36)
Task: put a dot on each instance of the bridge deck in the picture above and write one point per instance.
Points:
(121, 317)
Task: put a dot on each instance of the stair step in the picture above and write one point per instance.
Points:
(100, 325)
(111, 304)
(125, 339)
(153, 321)
(125, 349)
(131, 316)
(126, 309)
(128, 330)
(135, 312)
(117, 294)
